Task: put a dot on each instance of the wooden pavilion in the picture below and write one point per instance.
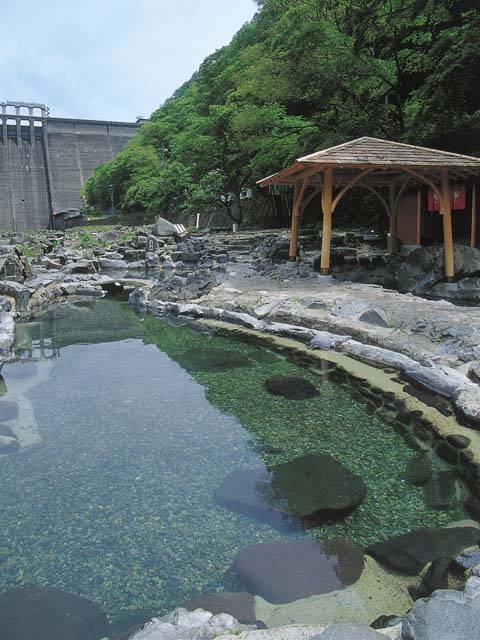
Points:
(390, 170)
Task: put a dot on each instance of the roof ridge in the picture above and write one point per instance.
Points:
(343, 145)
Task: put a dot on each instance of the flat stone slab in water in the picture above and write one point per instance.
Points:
(291, 387)
(410, 552)
(212, 360)
(280, 571)
(312, 487)
(240, 605)
(38, 613)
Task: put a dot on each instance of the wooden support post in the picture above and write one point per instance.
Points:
(393, 221)
(327, 199)
(292, 255)
(419, 217)
(446, 210)
(473, 230)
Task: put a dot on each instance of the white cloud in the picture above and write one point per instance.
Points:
(109, 59)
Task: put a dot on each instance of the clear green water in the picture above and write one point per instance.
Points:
(116, 500)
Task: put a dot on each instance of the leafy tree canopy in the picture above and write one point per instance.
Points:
(302, 75)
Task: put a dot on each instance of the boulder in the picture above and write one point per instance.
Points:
(281, 571)
(291, 387)
(164, 229)
(376, 317)
(313, 487)
(411, 552)
(19, 292)
(38, 613)
(447, 615)
(110, 263)
(425, 267)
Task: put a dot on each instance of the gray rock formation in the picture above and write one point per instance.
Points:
(181, 624)
(448, 615)
(164, 229)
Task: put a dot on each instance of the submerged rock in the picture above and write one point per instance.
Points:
(316, 484)
(212, 360)
(313, 487)
(444, 491)
(419, 471)
(38, 613)
(410, 552)
(282, 571)
(291, 387)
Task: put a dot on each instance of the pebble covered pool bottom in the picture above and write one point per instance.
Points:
(114, 500)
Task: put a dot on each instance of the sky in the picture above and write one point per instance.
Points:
(109, 59)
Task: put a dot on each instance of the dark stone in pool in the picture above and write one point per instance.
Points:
(38, 613)
(281, 571)
(458, 441)
(441, 491)
(436, 577)
(466, 456)
(239, 605)
(212, 360)
(8, 410)
(314, 487)
(291, 387)
(410, 552)
(419, 471)
(447, 452)
(430, 399)
(422, 432)
(315, 484)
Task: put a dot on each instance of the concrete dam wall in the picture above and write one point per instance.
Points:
(45, 161)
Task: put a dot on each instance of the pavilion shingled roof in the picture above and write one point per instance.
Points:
(374, 152)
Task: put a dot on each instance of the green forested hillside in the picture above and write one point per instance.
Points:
(302, 75)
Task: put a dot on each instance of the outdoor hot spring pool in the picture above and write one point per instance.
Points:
(134, 425)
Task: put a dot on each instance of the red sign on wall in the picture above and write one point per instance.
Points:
(458, 198)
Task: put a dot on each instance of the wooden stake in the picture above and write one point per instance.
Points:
(327, 198)
(297, 207)
(393, 221)
(292, 255)
(473, 232)
(446, 210)
(419, 217)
